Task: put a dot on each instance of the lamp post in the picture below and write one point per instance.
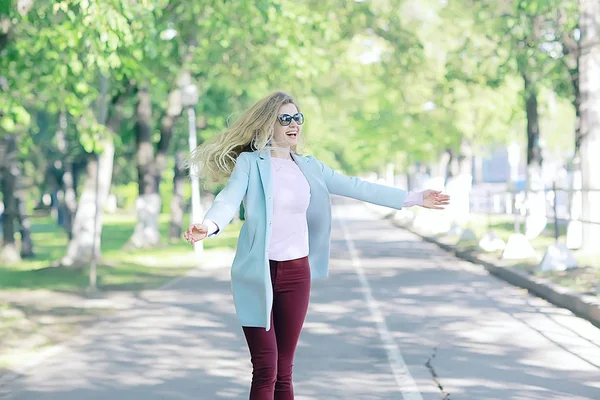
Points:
(102, 110)
(189, 99)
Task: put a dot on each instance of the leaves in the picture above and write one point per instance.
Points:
(379, 81)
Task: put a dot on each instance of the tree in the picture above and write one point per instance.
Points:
(8, 184)
(13, 121)
(111, 28)
(589, 88)
(520, 38)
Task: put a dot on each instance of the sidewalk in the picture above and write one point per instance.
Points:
(585, 306)
(38, 324)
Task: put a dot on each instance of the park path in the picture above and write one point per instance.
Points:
(397, 319)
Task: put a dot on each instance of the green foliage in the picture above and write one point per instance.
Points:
(126, 195)
(510, 38)
(120, 270)
(380, 81)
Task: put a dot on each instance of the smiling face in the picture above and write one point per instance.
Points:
(287, 136)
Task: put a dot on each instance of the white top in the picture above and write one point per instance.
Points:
(291, 197)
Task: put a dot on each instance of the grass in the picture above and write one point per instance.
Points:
(118, 269)
(584, 279)
(41, 305)
(503, 226)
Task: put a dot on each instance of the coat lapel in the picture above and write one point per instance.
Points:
(264, 169)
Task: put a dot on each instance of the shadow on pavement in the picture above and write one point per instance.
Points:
(485, 340)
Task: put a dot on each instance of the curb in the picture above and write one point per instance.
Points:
(584, 306)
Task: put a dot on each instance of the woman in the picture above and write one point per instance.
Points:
(287, 207)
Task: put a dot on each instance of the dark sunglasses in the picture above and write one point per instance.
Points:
(286, 119)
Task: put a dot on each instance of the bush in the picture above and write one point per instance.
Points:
(126, 195)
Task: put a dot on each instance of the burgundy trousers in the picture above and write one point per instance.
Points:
(272, 352)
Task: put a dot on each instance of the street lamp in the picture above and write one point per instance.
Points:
(189, 99)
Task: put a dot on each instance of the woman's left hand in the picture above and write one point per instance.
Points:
(435, 200)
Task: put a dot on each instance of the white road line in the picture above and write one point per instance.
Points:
(404, 379)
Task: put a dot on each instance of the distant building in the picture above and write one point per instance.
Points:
(495, 166)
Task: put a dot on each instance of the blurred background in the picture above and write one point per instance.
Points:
(494, 102)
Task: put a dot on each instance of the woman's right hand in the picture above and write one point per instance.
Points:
(195, 233)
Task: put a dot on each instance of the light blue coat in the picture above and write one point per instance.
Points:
(251, 183)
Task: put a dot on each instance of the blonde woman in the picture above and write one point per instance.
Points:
(284, 241)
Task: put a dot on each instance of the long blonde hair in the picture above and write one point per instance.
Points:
(215, 159)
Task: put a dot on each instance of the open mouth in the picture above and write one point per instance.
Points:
(292, 134)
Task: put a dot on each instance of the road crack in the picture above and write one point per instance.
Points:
(434, 375)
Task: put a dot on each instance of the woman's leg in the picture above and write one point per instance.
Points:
(272, 352)
(291, 298)
(263, 355)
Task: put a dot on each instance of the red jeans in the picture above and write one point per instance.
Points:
(272, 352)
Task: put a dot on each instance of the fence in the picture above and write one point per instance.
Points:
(559, 204)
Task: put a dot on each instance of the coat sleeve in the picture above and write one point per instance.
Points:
(359, 189)
(227, 203)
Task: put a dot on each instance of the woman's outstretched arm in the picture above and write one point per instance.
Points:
(359, 189)
(227, 203)
(382, 195)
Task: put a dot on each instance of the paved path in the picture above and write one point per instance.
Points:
(397, 319)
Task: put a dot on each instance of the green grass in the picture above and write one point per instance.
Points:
(584, 279)
(503, 226)
(118, 269)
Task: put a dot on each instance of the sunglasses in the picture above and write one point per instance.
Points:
(286, 119)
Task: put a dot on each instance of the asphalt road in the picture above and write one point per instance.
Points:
(397, 319)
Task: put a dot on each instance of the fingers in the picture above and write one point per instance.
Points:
(190, 231)
(441, 200)
(435, 207)
(436, 204)
(195, 233)
(436, 196)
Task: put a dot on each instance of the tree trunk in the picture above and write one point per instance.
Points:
(171, 114)
(24, 229)
(178, 202)
(148, 204)
(536, 199)
(449, 168)
(458, 183)
(465, 158)
(589, 85)
(9, 173)
(87, 229)
(571, 48)
(534, 151)
(95, 193)
(575, 228)
(577, 106)
(68, 199)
